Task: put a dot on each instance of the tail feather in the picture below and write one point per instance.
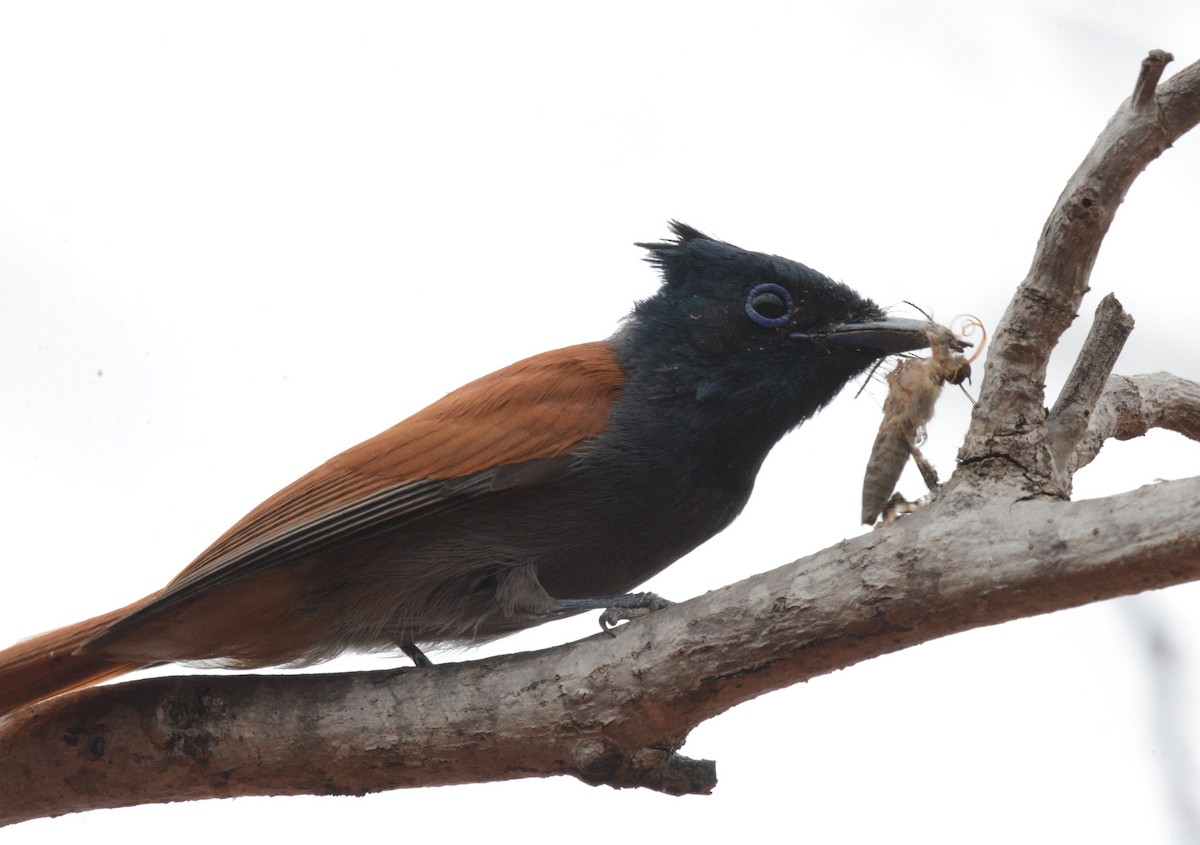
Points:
(50, 664)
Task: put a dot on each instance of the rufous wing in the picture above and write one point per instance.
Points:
(541, 408)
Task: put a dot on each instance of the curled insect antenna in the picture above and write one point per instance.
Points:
(969, 325)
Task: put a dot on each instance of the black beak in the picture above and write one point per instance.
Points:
(887, 337)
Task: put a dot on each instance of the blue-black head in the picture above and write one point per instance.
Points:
(751, 341)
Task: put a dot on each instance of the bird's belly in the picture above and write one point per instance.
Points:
(435, 580)
(438, 580)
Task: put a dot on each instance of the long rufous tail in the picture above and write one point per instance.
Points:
(49, 664)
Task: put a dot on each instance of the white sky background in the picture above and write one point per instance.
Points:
(237, 238)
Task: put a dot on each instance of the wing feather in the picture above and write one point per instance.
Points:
(543, 407)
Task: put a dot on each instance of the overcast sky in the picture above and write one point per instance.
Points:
(236, 238)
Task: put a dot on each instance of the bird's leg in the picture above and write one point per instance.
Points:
(519, 592)
(616, 608)
(415, 654)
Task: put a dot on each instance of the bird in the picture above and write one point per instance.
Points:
(550, 487)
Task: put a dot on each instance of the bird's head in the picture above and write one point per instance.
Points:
(762, 340)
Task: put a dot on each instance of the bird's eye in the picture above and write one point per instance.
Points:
(769, 305)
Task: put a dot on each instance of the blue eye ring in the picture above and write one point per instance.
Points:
(769, 305)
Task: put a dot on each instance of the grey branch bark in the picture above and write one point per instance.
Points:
(1132, 405)
(609, 710)
(1001, 541)
(1068, 419)
(1008, 424)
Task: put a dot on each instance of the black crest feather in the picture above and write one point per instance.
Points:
(668, 254)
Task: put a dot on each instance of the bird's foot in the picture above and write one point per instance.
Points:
(616, 608)
(631, 606)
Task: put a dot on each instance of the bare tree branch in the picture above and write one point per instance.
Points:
(1152, 70)
(1069, 418)
(1007, 420)
(608, 709)
(1132, 405)
(1000, 542)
